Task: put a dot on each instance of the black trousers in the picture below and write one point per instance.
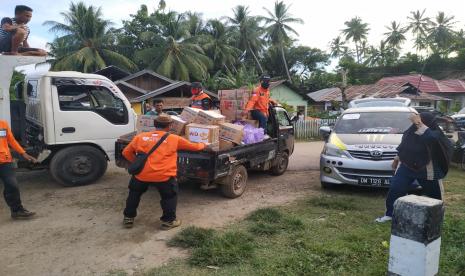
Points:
(168, 192)
(10, 187)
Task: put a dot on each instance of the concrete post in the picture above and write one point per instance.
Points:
(416, 236)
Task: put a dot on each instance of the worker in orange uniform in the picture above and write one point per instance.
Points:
(259, 102)
(7, 173)
(200, 99)
(160, 170)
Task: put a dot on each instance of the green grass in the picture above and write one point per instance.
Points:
(331, 234)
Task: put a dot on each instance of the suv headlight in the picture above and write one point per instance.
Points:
(333, 150)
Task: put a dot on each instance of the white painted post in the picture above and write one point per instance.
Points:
(416, 236)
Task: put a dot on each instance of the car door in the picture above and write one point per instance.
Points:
(286, 129)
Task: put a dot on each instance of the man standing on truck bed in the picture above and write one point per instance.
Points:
(7, 173)
(200, 99)
(259, 102)
(160, 171)
(14, 33)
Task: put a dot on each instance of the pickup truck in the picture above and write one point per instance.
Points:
(228, 168)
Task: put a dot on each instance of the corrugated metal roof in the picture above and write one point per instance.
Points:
(427, 84)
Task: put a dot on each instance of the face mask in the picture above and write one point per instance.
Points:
(265, 85)
(195, 91)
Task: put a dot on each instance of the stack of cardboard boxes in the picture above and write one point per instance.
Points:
(233, 102)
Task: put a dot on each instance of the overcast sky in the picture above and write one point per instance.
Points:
(323, 19)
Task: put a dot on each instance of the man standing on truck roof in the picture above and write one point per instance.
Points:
(200, 99)
(158, 108)
(7, 173)
(259, 102)
(14, 33)
(160, 171)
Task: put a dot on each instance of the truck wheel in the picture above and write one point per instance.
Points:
(235, 184)
(281, 163)
(79, 165)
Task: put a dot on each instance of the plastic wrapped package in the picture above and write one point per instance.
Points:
(252, 134)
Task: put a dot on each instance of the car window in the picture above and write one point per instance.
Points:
(373, 122)
(97, 99)
(32, 88)
(283, 119)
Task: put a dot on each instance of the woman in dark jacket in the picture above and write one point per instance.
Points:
(423, 155)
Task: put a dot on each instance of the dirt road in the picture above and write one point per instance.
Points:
(78, 230)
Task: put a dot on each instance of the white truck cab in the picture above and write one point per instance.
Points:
(71, 121)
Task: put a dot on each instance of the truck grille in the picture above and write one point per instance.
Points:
(375, 155)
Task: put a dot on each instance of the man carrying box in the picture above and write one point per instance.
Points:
(200, 99)
(160, 171)
(259, 102)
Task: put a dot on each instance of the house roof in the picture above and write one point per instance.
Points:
(377, 90)
(164, 89)
(143, 72)
(112, 72)
(427, 84)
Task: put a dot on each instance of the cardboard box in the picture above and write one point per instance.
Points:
(188, 114)
(237, 94)
(243, 95)
(231, 132)
(232, 109)
(145, 123)
(178, 126)
(227, 94)
(209, 118)
(225, 145)
(202, 133)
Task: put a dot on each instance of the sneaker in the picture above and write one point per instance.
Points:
(383, 219)
(22, 214)
(266, 137)
(128, 222)
(170, 225)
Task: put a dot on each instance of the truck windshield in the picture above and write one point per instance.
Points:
(373, 122)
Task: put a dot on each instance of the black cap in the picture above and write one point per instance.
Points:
(196, 84)
(265, 77)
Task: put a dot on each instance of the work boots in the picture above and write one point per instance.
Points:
(22, 214)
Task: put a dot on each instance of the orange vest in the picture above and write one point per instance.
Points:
(260, 100)
(197, 100)
(7, 138)
(161, 165)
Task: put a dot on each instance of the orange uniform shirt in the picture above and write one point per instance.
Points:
(7, 139)
(197, 100)
(260, 100)
(161, 165)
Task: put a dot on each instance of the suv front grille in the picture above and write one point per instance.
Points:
(368, 155)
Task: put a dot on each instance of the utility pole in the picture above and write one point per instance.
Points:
(343, 86)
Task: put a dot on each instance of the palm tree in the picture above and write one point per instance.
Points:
(247, 33)
(337, 47)
(194, 23)
(218, 45)
(177, 55)
(395, 37)
(418, 25)
(278, 28)
(356, 31)
(87, 44)
(441, 34)
(381, 56)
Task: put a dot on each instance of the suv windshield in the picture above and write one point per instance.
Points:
(373, 122)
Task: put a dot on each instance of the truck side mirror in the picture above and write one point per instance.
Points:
(325, 131)
(19, 90)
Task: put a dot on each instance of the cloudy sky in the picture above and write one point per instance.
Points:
(323, 19)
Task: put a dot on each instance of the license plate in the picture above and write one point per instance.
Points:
(374, 181)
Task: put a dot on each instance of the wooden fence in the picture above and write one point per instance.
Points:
(310, 128)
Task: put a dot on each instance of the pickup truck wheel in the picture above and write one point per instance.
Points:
(79, 165)
(235, 183)
(281, 163)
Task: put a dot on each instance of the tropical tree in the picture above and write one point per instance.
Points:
(176, 54)
(395, 36)
(278, 29)
(381, 56)
(337, 47)
(418, 25)
(247, 33)
(356, 31)
(441, 34)
(218, 45)
(88, 41)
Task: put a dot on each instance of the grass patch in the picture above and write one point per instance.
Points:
(226, 249)
(333, 234)
(191, 237)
